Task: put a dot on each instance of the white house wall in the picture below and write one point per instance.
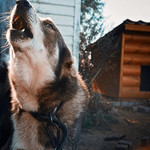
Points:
(66, 15)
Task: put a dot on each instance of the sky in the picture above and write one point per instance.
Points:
(116, 11)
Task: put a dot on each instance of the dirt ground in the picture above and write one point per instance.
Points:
(124, 122)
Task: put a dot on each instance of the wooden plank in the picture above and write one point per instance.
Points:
(77, 31)
(60, 19)
(134, 27)
(68, 40)
(56, 2)
(70, 47)
(50, 9)
(121, 63)
(137, 47)
(131, 81)
(66, 30)
(129, 91)
(136, 59)
(132, 70)
(133, 92)
(137, 37)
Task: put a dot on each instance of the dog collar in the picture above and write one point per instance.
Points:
(52, 120)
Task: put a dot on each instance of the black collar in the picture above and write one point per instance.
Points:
(52, 120)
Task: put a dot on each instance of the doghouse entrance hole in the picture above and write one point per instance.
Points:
(145, 78)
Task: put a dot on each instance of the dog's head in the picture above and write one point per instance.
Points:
(38, 39)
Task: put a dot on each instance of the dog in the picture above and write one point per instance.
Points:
(49, 97)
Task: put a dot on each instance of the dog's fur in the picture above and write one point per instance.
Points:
(42, 74)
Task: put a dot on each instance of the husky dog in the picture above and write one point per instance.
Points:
(48, 95)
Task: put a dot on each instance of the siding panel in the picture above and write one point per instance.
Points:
(77, 30)
(66, 30)
(66, 15)
(56, 2)
(54, 9)
(60, 19)
(68, 40)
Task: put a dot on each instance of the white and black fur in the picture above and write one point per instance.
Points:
(41, 74)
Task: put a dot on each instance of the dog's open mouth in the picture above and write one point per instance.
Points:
(21, 25)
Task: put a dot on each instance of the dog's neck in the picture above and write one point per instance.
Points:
(28, 73)
(31, 68)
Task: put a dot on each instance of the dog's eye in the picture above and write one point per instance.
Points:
(49, 25)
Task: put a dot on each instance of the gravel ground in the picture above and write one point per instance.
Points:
(134, 125)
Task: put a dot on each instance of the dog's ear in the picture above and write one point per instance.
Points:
(69, 67)
(66, 66)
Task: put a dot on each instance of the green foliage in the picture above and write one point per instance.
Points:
(91, 21)
(88, 122)
(90, 28)
(99, 120)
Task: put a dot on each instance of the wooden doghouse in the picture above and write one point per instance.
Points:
(122, 61)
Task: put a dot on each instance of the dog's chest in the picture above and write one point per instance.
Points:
(26, 134)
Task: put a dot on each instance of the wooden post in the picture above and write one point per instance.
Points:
(76, 31)
(121, 63)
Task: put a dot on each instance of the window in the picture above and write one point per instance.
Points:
(145, 78)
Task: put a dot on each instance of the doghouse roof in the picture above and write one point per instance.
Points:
(109, 46)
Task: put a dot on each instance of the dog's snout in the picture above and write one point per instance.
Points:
(23, 3)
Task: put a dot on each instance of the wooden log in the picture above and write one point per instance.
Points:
(134, 27)
(137, 38)
(122, 62)
(131, 81)
(136, 59)
(137, 47)
(133, 92)
(134, 70)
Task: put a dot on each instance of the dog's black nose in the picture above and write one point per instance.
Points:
(23, 3)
